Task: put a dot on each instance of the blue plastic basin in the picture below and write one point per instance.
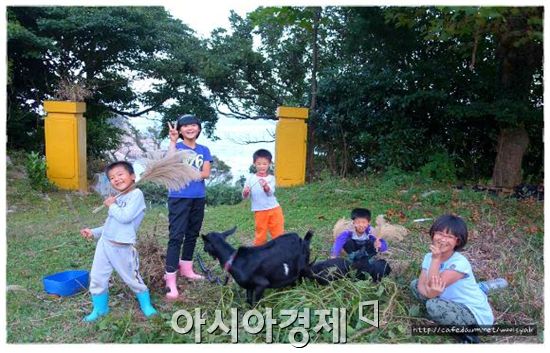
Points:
(66, 283)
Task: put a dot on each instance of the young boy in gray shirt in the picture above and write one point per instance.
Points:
(116, 239)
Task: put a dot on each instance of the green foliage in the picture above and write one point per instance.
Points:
(102, 135)
(440, 167)
(395, 177)
(220, 172)
(496, 85)
(36, 168)
(395, 84)
(240, 182)
(223, 194)
(20, 120)
(216, 194)
(154, 194)
(103, 50)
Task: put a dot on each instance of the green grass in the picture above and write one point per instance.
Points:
(506, 239)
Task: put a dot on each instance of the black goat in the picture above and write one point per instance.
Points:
(278, 263)
(329, 270)
(332, 269)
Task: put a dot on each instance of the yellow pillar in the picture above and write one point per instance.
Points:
(65, 129)
(291, 146)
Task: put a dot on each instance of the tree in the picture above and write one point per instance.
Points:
(134, 60)
(220, 173)
(380, 92)
(251, 83)
(504, 47)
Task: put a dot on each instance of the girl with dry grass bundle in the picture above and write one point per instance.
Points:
(186, 205)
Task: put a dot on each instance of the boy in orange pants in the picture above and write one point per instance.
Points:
(260, 187)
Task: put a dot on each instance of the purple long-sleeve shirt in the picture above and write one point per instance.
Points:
(347, 235)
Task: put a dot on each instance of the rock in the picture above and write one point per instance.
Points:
(15, 287)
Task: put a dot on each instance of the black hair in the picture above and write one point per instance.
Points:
(453, 225)
(360, 213)
(188, 119)
(261, 153)
(126, 165)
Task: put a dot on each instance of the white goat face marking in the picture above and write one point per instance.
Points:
(286, 268)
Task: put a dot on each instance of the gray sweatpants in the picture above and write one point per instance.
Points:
(444, 312)
(123, 259)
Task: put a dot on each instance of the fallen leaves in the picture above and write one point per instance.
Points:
(531, 229)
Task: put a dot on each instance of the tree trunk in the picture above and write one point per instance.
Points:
(310, 171)
(512, 144)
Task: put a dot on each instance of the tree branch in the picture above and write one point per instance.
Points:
(250, 142)
(134, 115)
(239, 115)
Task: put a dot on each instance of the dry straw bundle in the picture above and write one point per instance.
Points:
(172, 171)
(389, 231)
(151, 263)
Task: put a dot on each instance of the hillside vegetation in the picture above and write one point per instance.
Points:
(506, 240)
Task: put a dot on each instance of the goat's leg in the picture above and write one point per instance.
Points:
(250, 296)
(258, 294)
(261, 284)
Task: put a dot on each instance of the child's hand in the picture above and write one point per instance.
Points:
(87, 233)
(436, 251)
(264, 185)
(436, 285)
(377, 244)
(109, 201)
(246, 191)
(173, 133)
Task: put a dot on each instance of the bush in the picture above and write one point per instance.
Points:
(217, 194)
(441, 167)
(223, 194)
(154, 194)
(395, 178)
(36, 168)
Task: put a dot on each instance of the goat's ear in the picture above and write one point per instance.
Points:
(229, 232)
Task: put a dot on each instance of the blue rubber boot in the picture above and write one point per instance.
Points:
(145, 304)
(101, 306)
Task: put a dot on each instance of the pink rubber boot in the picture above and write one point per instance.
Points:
(186, 270)
(171, 284)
